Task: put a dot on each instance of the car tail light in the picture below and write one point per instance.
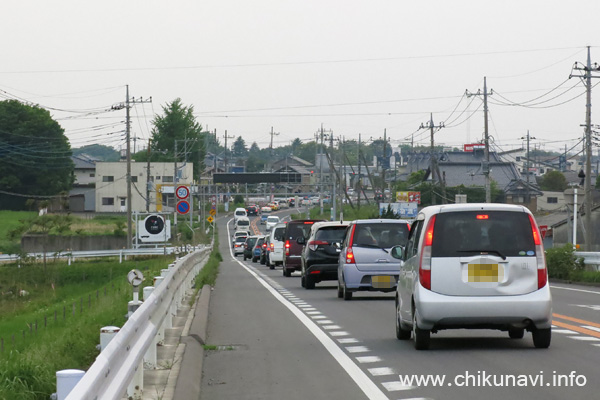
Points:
(352, 236)
(313, 244)
(425, 262)
(542, 272)
(287, 247)
(272, 246)
(350, 256)
(264, 245)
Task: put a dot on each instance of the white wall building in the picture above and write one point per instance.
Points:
(111, 185)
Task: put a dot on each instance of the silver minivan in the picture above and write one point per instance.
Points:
(473, 266)
(365, 262)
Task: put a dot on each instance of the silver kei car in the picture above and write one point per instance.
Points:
(479, 266)
(365, 262)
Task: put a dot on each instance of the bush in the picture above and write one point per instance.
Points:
(562, 263)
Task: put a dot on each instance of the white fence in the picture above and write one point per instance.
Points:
(121, 253)
(119, 367)
(591, 258)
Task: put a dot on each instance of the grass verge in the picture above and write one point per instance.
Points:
(57, 325)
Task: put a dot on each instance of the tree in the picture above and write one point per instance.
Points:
(178, 125)
(554, 181)
(35, 155)
(239, 147)
(296, 145)
(104, 153)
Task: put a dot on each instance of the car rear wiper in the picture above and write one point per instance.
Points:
(373, 246)
(483, 251)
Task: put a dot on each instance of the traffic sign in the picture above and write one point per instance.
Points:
(210, 219)
(182, 192)
(212, 212)
(183, 207)
(543, 230)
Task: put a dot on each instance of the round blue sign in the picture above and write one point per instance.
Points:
(183, 207)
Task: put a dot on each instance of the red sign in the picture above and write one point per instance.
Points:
(473, 146)
(543, 230)
(182, 192)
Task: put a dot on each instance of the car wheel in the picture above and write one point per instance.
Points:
(542, 338)
(422, 337)
(401, 333)
(340, 291)
(245, 258)
(516, 333)
(347, 293)
(286, 272)
(253, 259)
(268, 261)
(303, 280)
(309, 282)
(262, 260)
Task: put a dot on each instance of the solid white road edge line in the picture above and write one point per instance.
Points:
(573, 289)
(368, 387)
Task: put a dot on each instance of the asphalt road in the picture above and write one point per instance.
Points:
(282, 341)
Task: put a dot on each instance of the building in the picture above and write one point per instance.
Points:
(82, 196)
(151, 191)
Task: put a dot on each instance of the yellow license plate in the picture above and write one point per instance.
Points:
(483, 272)
(383, 282)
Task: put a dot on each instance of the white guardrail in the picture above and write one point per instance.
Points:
(591, 258)
(118, 369)
(122, 253)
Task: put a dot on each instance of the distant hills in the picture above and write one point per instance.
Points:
(98, 151)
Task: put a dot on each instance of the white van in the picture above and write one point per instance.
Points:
(242, 224)
(276, 243)
(239, 212)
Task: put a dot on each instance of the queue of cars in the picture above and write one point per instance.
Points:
(460, 266)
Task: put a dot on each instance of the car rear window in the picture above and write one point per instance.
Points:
(296, 230)
(243, 223)
(240, 239)
(278, 233)
(331, 234)
(273, 219)
(251, 241)
(383, 235)
(459, 234)
(240, 212)
(260, 241)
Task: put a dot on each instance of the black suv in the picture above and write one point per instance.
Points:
(252, 210)
(321, 253)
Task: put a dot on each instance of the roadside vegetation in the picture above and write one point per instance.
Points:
(50, 320)
(564, 265)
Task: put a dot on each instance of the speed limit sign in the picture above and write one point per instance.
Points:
(182, 192)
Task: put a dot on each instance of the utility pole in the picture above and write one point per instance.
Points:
(358, 182)
(486, 163)
(271, 146)
(127, 107)
(586, 77)
(148, 179)
(433, 165)
(383, 185)
(527, 200)
(227, 166)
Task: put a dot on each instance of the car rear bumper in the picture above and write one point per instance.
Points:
(521, 311)
(293, 263)
(276, 256)
(362, 280)
(322, 272)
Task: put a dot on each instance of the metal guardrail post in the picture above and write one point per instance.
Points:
(136, 386)
(66, 381)
(107, 333)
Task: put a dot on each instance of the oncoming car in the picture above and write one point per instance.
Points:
(473, 266)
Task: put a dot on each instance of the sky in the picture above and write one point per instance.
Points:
(352, 67)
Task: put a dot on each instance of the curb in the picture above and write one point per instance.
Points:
(193, 338)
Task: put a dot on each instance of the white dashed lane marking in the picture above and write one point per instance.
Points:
(382, 371)
(357, 349)
(368, 359)
(396, 386)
